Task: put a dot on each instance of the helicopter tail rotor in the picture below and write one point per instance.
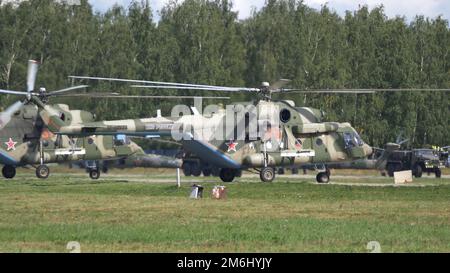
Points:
(5, 116)
(42, 94)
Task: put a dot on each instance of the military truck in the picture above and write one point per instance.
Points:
(418, 161)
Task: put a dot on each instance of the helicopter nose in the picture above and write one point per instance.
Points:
(368, 151)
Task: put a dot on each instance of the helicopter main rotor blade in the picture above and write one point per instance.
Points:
(92, 95)
(65, 90)
(231, 89)
(5, 116)
(11, 92)
(359, 91)
(31, 75)
(410, 90)
(156, 82)
(117, 96)
(324, 91)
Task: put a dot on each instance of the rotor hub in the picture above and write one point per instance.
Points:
(43, 95)
(265, 91)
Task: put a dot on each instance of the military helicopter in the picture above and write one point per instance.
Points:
(276, 134)
(25, 139)
(298, 135)
(285, 135)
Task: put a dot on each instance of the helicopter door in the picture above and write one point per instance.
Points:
(286, 150)
(108, 142)
(273, 140)
(284, 143)
(121, 145)
(92, 151)
(297, 149)
(320, 146)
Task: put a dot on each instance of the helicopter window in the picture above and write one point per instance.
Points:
(349, 140)
(285, 115)
(358, 139)
(352, 140)
(62, 117)
(319, 142)
(121, 140)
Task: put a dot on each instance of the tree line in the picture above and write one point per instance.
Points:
(202, 41)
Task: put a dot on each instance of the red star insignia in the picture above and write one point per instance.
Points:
(11, 144)
(232, 146)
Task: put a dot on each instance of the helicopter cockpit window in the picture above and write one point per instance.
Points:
(121, 140)
(352, 140)
(348, 140)
(358, 139)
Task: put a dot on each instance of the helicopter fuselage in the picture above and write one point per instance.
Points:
(26, 140)
(262, 135)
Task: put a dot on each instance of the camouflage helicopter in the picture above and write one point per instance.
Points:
(277, 133)
(26, 141)
(297, 136)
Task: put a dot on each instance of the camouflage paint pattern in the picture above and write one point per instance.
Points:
(303, 137)
(20, 139)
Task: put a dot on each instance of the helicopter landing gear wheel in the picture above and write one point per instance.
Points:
(323, 178)
(9, 172)
(42, 172)
(267, 174)
(227, 175)
(94, 174)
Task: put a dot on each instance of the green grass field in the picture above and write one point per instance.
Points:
(118, 214)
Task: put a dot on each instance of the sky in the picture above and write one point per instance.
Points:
(408, 8)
